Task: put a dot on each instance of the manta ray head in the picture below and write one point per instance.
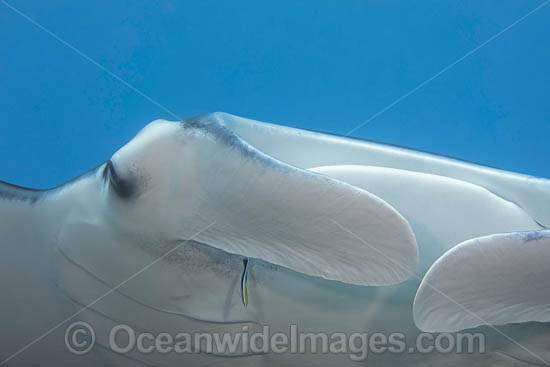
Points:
(155, 182)
(163, 198)
(197, 179)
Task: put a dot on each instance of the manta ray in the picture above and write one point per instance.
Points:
(220, 224)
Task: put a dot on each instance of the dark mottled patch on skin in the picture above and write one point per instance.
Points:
(209, 125)
(197, 257)
(534, 235)
(192, 256)
(13, 192)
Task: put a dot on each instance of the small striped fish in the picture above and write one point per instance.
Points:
(244, 290)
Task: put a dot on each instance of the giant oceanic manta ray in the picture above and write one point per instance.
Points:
(335, 233)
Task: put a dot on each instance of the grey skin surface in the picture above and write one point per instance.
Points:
(56, 267)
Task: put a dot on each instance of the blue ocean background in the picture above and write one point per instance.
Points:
(321, 65)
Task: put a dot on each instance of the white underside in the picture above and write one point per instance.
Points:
(444, 201)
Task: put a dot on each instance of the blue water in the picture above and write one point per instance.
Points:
(322, 65)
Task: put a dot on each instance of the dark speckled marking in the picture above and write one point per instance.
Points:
(534, 235)
(210, 125)
(199, 257)
(13, 192)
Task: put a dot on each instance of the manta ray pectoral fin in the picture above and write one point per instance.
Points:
(495, 280)
(312, 149)
(266, 209)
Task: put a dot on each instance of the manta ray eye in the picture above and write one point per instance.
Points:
(125, 188)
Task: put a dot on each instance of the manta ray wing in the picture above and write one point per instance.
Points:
(442, 211)
(308, 149)
(495, 280)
